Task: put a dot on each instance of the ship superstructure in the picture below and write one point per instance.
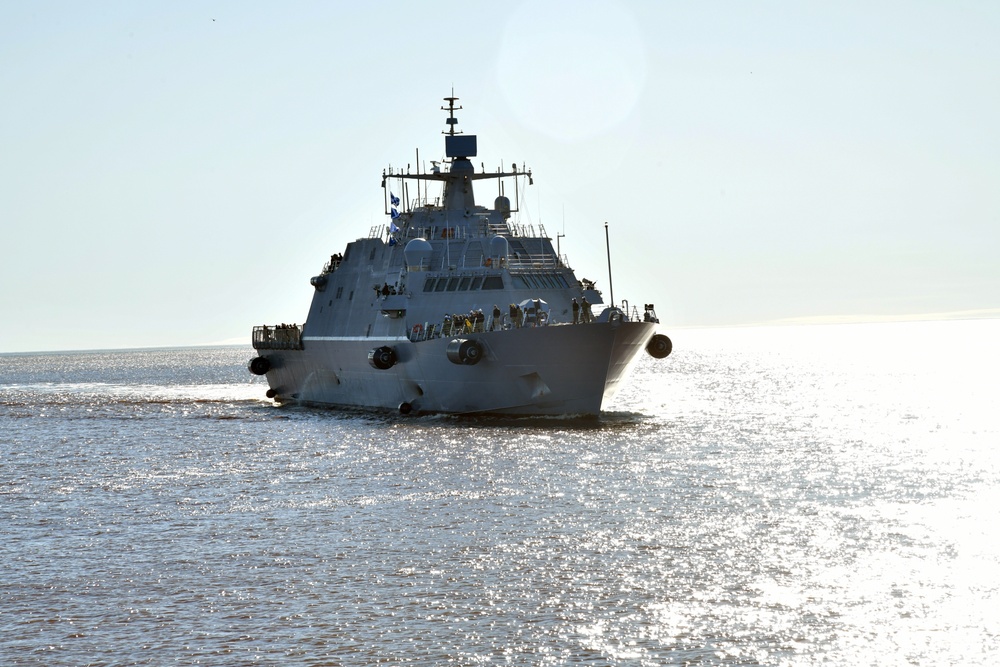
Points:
(454, 307)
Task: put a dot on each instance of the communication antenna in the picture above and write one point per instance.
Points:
(451, 109)
(607, 242)
(561, 235)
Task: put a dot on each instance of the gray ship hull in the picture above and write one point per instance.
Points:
(552, 370)
(456, 307)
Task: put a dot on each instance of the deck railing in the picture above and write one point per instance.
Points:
(536, 261)
(278, 337)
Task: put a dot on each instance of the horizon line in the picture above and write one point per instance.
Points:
(806, 320)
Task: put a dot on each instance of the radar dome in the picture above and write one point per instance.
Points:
(499, 247)
(502, 204)
(417, 254)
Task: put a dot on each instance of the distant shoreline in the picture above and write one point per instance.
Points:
(153, 348)
(823, 320)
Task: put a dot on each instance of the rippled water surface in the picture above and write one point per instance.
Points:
(783, 496)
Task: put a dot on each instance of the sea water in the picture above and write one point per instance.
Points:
(765, 496)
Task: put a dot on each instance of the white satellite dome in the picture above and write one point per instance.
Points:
(418, 254)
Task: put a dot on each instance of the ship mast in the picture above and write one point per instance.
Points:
(457, 195)
(451, 109)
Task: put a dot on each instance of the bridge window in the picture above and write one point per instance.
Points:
(540, 280)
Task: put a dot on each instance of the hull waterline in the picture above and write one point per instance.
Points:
(567, 369)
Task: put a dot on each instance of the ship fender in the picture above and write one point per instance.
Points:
(465, 351)
(659, 346)
(259, 365)
(383, 358)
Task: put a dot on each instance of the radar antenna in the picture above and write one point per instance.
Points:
(451, 109)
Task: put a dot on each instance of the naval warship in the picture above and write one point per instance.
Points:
(453, 307)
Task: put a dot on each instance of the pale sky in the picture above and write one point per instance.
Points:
(173, 173)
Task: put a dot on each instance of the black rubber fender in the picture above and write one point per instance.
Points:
(659, 346)
(465, 351)
(259, 365)
(382, 358)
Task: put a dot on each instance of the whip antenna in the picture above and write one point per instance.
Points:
(607, 242)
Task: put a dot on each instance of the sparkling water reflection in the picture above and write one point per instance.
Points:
(794, 496)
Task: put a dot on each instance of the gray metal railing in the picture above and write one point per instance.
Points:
(278, 337)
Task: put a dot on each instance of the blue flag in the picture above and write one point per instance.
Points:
(392, 240)
(394, 214)
(393, 228)
(393, 199)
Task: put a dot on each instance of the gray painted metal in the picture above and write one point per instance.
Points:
(450, 270)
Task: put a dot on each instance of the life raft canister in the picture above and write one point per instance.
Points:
(659, 346)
